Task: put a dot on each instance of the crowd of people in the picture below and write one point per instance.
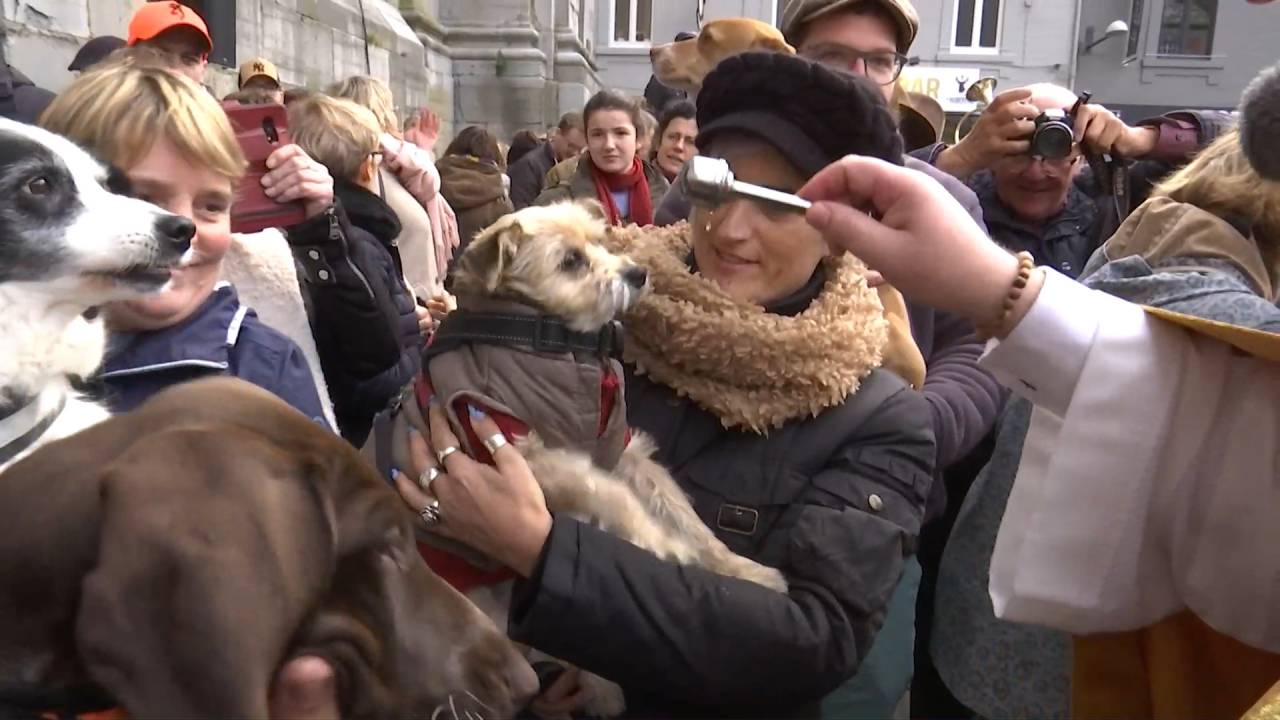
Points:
(960, 549)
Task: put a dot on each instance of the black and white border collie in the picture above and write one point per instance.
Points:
(68, 243)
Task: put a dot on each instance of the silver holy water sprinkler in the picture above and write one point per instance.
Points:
(709, 182)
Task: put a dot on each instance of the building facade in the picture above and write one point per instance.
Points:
(1176, 53)
(519, 64)
(504, 64)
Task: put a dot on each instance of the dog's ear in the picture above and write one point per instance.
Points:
(165, 597)
(488, 256)
(594, 209)
(706, 37)
(780, 45)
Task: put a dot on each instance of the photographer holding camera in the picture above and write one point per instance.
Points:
(1026, 159)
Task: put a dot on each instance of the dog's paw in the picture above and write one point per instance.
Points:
(770, 578)
(601, 698)
(737, 566)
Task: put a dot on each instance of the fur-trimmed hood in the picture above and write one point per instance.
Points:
(262, 269)
(753, 369)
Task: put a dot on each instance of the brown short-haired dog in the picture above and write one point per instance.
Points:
(175, 555)
(683, 64)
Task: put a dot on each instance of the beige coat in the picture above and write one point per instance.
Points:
(416, 243)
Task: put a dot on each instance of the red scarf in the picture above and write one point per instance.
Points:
(633, 181)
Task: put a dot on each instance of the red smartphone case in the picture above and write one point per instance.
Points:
(261, 130)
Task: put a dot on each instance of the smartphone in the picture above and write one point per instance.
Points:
(261, 130)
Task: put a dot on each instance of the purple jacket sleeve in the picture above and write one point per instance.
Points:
(965, 398)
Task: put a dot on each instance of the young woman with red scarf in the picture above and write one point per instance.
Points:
(611, 171)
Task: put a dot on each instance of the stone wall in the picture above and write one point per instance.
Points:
(515, 64)
(504, 64)
(314, 43)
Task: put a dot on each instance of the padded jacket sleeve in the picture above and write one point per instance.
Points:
(964, 398)
(349, 307)
(365, 397)
(526, 183)
(727, 646)
(354, 316)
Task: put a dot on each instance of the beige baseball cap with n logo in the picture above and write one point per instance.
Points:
(258, 67)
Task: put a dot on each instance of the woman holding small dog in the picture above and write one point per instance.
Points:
(615, 173)
(754, 366)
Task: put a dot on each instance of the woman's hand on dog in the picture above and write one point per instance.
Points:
(500, 511)
(295, 176)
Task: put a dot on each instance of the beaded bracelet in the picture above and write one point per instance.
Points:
(1026, 264)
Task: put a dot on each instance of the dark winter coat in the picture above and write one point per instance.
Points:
(475, 191)
(527, 175)
(357, 397)
(658, 96)
(221, 338)
(20, 99)
(835, 501)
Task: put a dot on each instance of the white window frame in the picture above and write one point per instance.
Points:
(972, 48)
(773, 13)
(632, 42)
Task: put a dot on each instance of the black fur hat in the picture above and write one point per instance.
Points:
(1260, 123)
(814, 115)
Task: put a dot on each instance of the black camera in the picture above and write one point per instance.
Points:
(1054, 134)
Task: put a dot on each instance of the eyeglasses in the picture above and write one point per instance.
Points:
(378, 157)
(881, 67)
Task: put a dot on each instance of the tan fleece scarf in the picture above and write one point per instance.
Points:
(752, 369)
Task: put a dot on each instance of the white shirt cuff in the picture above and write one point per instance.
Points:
(1043, 357)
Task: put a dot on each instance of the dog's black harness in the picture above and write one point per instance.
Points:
(22, 426)
(543, 333)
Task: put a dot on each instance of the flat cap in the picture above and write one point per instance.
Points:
(799, 13)
(813, 115)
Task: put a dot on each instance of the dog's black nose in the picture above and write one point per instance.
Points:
(635, 276)
(175, 231)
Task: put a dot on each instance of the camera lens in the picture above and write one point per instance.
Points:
(1052, 140)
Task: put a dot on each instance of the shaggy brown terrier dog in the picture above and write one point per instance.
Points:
(545, 268)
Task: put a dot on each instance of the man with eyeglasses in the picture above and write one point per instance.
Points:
(871, 38)
(1056, 205)
(176, 30)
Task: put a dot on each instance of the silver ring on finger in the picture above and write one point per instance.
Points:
(431, 514)
(445, 453)
(428, 476)
(495, 442)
